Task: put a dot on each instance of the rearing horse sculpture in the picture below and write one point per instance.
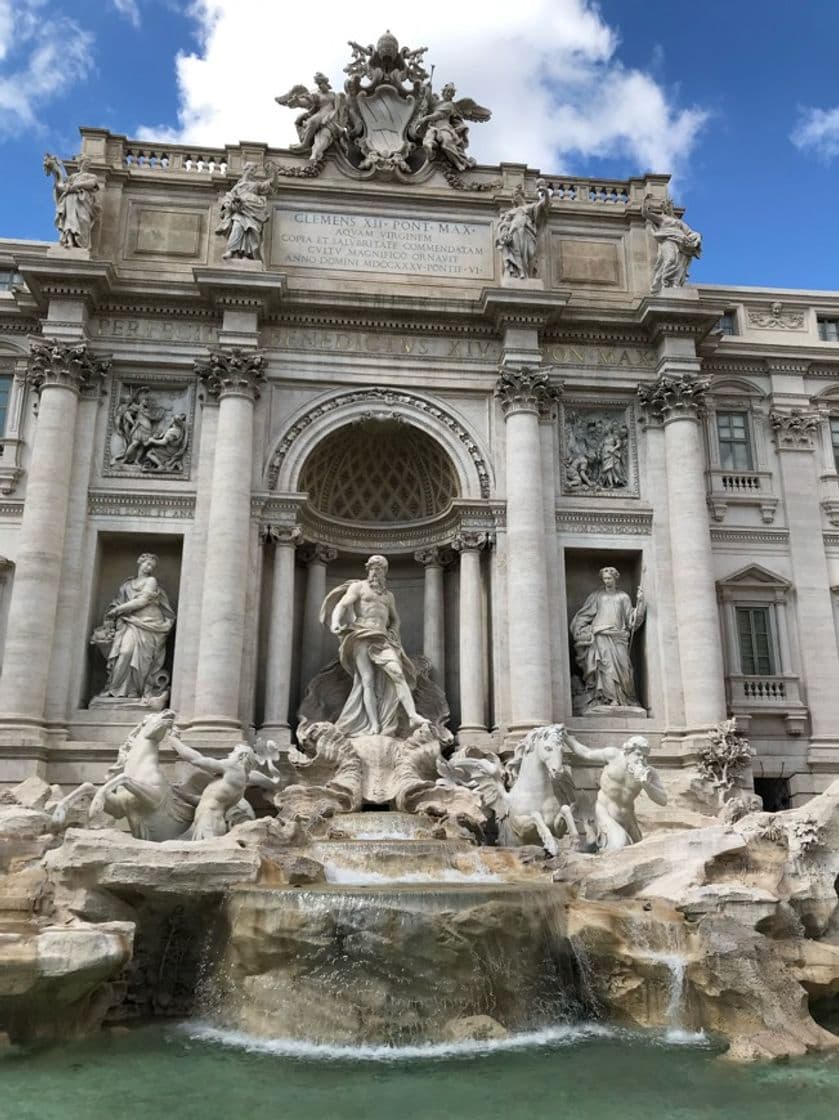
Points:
(141, 792)
(537, 808)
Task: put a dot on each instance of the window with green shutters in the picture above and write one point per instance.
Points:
(756, 655)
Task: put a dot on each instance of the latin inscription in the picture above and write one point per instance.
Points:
(331, 239)
(382, 342)
(155, 330)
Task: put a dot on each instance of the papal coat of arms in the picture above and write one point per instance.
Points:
(387, 119)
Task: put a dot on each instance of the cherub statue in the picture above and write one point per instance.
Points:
(324, 119)
(77, 205)
(443, 128)
(518, 229)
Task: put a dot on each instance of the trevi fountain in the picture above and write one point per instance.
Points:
(394, 720)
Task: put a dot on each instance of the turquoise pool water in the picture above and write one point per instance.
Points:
(570, 1073)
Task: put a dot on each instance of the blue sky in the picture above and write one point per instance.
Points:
(716, 92)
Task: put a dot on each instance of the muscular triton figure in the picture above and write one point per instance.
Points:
(363, 614)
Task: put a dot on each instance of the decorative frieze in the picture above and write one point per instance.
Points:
(527, 389)
(150, 430)
(674, 396)
(795, 430)
(141, 503)
(71, 366)
(604, 522)
(598, 450)
(774, 318)
(232, 372)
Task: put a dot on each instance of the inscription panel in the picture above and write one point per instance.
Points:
(398, 244)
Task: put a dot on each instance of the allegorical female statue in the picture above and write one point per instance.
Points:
(518, 230)
(76, 201)
(678, 245)
(602, 630)
(133, 637)
(244, 211)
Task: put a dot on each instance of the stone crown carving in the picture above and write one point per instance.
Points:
(794, 430)
(527, 390)
(59, 363)
(670, 396)
(232, 372)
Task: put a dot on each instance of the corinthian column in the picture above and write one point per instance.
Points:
(58, 372)
(434, 561)
(316, 556)
(677, 400)
(524, 394)
(472, 648)
(280, 629)
(233, 377)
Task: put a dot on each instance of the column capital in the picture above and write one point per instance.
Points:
(674, 397)
(527, 389)
(435, 557)
(795, 430)
(231, 371)
(281, 536)
(68, 365)
(315, 552)
(471, 540)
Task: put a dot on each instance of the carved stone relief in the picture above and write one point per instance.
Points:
(774, 318)
(150, 430)
(598, 450)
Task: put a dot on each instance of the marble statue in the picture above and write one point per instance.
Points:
(225, 793)
(443, 128)
(77, 204)
(244, 211)
(724, 756)
(602, 631)
(324, 118)
(625, 774)
(363, 614)
(518, 229)
(139, 791)
(133, 637)
(165, 451)
(386, 63)
(678, 245)
(530, 811)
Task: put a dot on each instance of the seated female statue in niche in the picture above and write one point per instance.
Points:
(602, 631)
(132, 638)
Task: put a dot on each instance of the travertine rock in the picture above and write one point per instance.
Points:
(476, 1028)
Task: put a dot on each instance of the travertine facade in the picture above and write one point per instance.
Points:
(361, 373)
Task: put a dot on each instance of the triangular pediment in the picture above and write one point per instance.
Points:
(754, 575)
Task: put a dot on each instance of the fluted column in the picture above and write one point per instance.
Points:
(524, 394)
(58, 372)
(280, 627)
(472, 645)
(676, 399)
(233, 376)
(316, 557)
(434, 561)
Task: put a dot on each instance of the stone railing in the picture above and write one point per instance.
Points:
(766, 694)
(583, 190)
(172, 158)
(726, 487)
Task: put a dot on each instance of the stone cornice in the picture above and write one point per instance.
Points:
(527, 389)
(678, 313)
(67, 277)
(241, 284)
(228, 372)
(522, 307)
(779, 537)
(68, 365)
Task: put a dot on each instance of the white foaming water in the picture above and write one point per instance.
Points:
(361, 877)
(676, 965)
(383, 835)
(562, 1035)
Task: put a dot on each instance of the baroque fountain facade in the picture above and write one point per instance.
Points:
(386, 657)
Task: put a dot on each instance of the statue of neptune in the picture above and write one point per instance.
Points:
(363, 614)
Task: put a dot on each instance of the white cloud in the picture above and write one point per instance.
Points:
(547, 68)
(817, 131)
(41, 55)
(130, 9)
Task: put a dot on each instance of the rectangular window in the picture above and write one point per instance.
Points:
(5, 390)
(756, 656)
(727, 323)
(828, 329)
(834, 439)
(734, 441)
(8, 279)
